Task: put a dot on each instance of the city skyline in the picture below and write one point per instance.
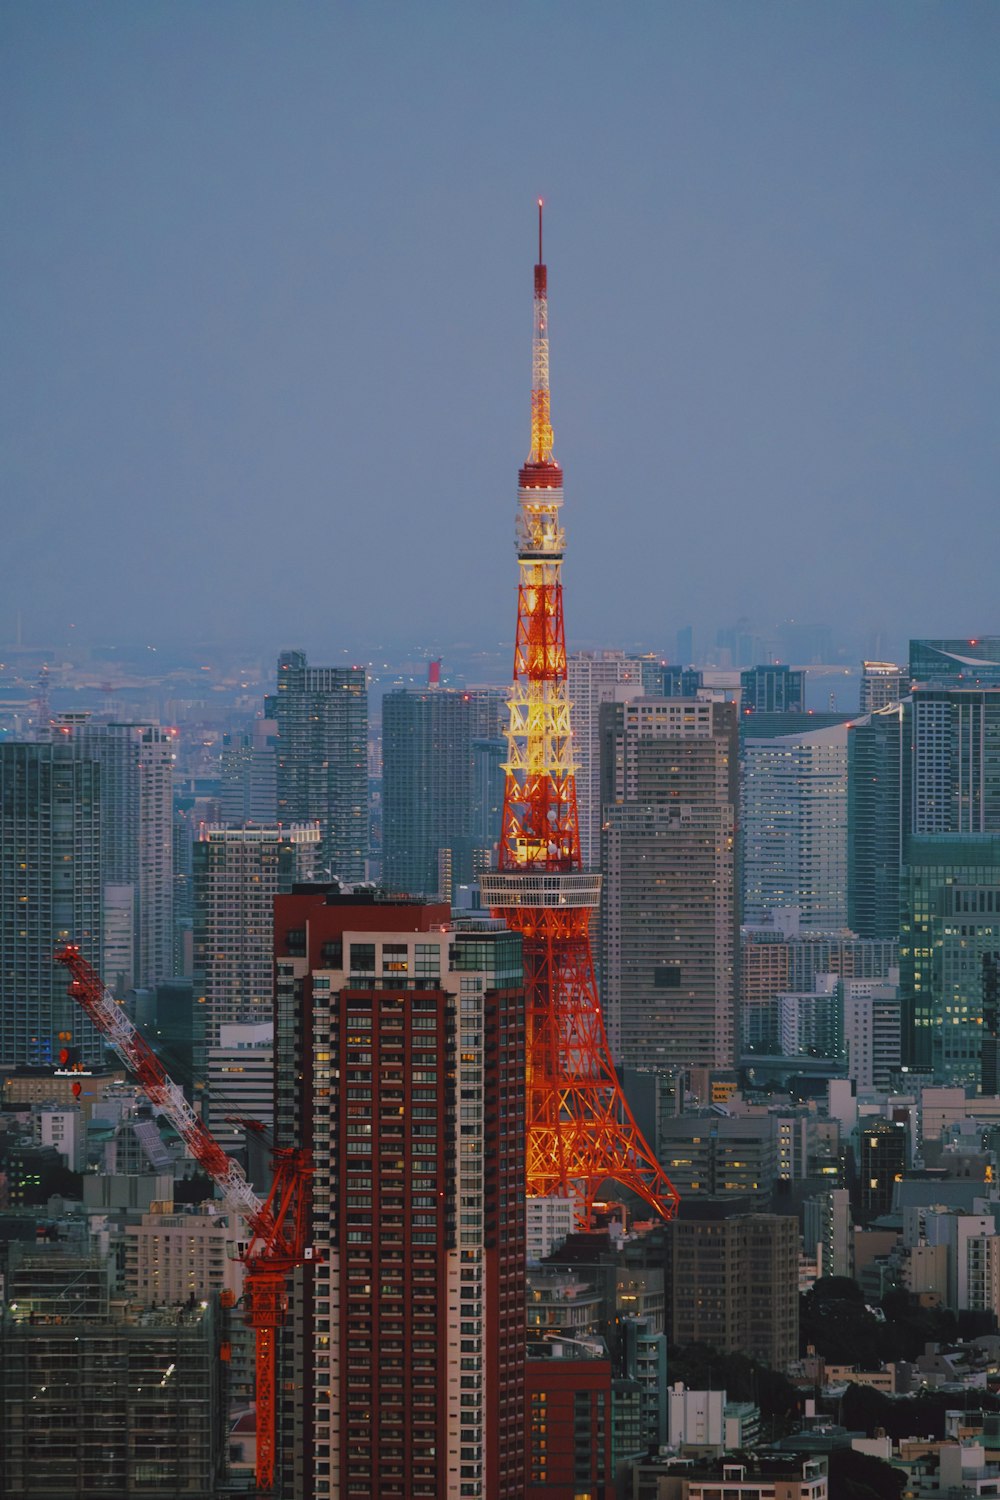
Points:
(272, 292)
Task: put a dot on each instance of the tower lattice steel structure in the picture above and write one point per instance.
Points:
(580, 1132)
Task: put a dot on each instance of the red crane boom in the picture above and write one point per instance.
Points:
(278, 1224)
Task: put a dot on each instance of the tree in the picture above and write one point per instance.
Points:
(857, 1476)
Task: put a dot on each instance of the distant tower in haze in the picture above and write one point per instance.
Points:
(580, 1131)
(322, 749)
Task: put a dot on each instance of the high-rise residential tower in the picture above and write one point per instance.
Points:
(50, 892)
(427, 791)
(669, 918)
(400, 1062)
(237, 872)
(137, 856)
(322, 751)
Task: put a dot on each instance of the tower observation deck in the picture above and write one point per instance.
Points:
(580, 1130)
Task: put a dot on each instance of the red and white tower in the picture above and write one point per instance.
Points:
(581, 1132)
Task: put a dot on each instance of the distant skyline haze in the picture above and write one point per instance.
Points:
(267, 297)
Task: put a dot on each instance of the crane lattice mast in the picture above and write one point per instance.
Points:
(580, 1130)
(278, 1224)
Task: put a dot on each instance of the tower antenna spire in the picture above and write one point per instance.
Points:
(580, 1130)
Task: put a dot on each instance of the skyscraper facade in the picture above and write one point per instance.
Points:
(875, 822)
(248, 776)
(237, 872)
(50, 892)
(400, 1059)
(137, 782)
(794, 827)
(427, 791)
(772, 689)
(669, 921)
(322, 757)
(950, 889)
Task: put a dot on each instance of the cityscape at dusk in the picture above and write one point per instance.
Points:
(499, 751)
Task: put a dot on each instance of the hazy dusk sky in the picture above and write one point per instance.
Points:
(266, 312)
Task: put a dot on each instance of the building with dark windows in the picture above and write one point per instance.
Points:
(322, 757)
(428, 798)
(772, 689)
(399, 1057)
(735, 1285)
(103, 1396)
(882, 1151)
(874, 822)
(50, 892)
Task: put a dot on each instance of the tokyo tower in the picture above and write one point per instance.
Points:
(580, 1131)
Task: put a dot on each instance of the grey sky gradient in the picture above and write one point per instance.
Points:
(266, 303)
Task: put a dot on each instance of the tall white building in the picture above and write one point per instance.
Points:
(873, 1030)
(794, 827)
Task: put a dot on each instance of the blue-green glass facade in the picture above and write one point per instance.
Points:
(950, 919)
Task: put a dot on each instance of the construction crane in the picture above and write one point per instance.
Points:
(278, 1224)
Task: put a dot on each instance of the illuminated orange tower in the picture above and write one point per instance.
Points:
(580, 1131)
